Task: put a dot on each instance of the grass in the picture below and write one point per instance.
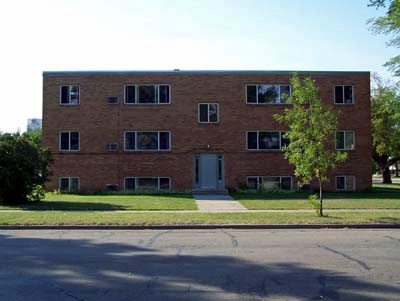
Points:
(108, 202)
(387, 186)
(375, 199)
(136, 218)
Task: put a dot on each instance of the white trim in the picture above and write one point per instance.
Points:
(149, 150)
(271, 103)
(149, 177)
(157, 92)
(334, 95)
(69, 141)
(258, 143)
(280, 181)
(345, 183)
(69, 183)
(69, 95)
(344, 137)
(208, 112)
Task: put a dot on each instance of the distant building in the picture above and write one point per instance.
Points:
(34, 124)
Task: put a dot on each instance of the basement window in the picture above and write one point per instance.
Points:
(147, 183)
(270, 183)
(69, 184)
(345, 183)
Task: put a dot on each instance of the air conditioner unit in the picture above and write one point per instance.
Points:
(112, 147)
(112, 187)
(112, 100)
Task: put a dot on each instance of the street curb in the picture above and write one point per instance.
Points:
(199, 227)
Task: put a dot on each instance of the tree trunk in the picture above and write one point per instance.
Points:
(386, 178)
(321, 213)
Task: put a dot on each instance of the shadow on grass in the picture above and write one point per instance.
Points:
(303, 196)
(62, 205)
(386, 220)
(82, 269)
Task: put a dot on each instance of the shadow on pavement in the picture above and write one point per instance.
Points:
(81, 269)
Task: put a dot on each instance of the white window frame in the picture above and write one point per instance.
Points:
(258, 142)
(280, 180)
(344, 137)
(345, 183)
(274, 103)
(208, 112)
(69, 183)
(157, 93)
(334, 95)
(69, 95)
(148, 150)
(69, 141)
(158, 182)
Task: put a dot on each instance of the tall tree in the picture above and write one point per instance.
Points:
(388, 24)
(385, 116)
(312, 133)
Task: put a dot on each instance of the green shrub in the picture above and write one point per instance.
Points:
(24, 168)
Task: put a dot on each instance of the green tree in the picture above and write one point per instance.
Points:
(312, 132)
(24, 167)
(389, 24)
(385, 122)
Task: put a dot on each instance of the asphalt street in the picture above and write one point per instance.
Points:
(200, 265)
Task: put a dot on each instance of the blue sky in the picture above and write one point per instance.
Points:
(139, 35)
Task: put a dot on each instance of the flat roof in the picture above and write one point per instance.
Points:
(178, 71)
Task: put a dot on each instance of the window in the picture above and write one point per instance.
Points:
(147, 94)
(268, 94)
(266, 140)
(345, 140)
(270, 183)
(69, 95)
(208, 112)
(147, 183)
(69, 184)
(345, 183)
(69, 141)
(147, 141)
(344, 94)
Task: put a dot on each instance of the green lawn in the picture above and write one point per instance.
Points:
(144, 218)
(395, 187)
(109, 202)
(375, 199)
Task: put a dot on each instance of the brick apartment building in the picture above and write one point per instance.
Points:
(203, 130)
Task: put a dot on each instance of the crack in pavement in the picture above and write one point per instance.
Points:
(154, 238)
(359, 262)
(67, 293)
(234, 241)
(392, 238)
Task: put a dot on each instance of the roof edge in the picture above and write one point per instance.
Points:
(178, 71)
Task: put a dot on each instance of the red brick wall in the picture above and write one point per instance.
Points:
(100, 123)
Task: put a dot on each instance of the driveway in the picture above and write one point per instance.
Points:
(200, 265)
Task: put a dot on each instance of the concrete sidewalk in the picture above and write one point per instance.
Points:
(212, 208)
(218, 203)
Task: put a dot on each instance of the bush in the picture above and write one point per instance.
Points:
(315, 202)
(24, 168)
